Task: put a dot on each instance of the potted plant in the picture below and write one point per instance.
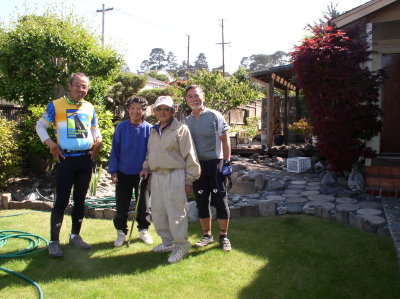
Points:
(302, 127)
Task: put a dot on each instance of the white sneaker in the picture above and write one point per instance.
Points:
(121, 238)
(146, 237)
(163, 248)
(177, 255)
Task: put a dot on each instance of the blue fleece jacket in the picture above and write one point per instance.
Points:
(129, 146)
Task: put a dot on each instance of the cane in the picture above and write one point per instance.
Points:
(136, 211)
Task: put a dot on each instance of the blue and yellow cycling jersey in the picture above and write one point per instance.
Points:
(72, 124)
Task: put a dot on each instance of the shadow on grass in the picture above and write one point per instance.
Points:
(303, 256)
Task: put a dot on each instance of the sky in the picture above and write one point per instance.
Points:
(134, 28)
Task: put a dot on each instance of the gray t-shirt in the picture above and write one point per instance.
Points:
(206, 132)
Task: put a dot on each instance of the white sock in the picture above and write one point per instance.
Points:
(73, 236)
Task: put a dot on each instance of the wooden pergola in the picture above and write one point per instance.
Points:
(281, 77)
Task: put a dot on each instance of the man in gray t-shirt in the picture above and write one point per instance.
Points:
(210, 135)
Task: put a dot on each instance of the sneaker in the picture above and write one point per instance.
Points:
(79, 243)
(55, 249)
(121, 238)
(145, 236)
(163, 248)
(177, 255)
(204, 241)
(224, 243)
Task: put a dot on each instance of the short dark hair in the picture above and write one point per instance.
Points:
(190, 87)
(74, 75)
(140, 100)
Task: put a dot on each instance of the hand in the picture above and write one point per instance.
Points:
(55, 149)
(114, 178)
(144, 173)
(95, 149)
(188, 189)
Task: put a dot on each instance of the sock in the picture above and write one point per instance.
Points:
(73, 236)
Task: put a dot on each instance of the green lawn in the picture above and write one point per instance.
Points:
(272, 257)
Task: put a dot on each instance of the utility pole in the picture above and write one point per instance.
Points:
(102, 27)
(223, 48)
(187, 61)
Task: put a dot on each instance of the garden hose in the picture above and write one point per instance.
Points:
(25, 278)
(33, 247)
(101, 203)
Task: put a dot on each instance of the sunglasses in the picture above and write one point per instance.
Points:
(166, 109)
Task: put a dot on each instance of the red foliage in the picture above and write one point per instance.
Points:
(341, 92)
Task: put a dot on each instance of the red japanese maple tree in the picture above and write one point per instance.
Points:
(341, 92)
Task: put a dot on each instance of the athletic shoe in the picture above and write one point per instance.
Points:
(177, 255)
(163, 248)
(121, 238)
(55, 249)
(79, 243)
(146, 237)
(224, 243)
(204, 241)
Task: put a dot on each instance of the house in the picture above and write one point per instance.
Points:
(381, 22)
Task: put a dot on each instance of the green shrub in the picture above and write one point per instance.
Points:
(30, 140)
(106, 126)
(10, 154)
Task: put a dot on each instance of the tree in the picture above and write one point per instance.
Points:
(262, 61)
(158, 76)
(224, 94)
(341, 92)
(172, 66)
(201, 63)
(328, 15)
(151, 95)
(38, 54)
(158, 60)
(125, 86)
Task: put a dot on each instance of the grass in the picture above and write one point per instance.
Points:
(272, 257)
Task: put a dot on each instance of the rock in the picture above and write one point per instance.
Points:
(328, 180)
(298, 182)
(16, 204)
(295, 205)
(345, 200)
(276, 198)
(5, 200)
(371, 223)
(356, 221)
(249, 211)
(369, 212)
(235, 212)
(321, 197)
(356, 179)
(109, 213)
(266, 207)
(99, 214)
(260, 183)
(275, 185)
(309, 193)
(243, 186)
(369, 205)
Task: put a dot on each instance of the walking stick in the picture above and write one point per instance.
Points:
(136, 211)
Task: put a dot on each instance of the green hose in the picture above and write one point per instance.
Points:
(25, 278)
(101, 203)
(33, 247)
